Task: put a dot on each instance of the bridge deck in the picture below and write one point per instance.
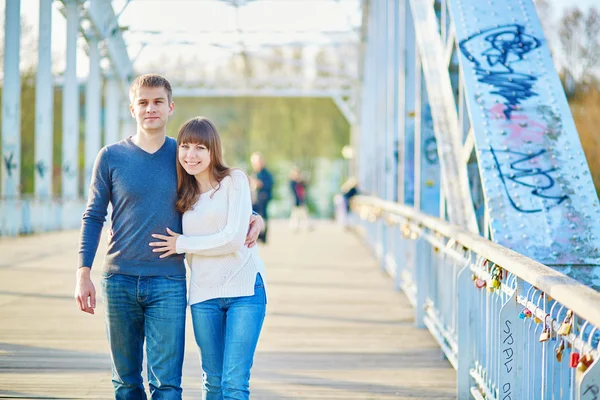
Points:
(335, 328)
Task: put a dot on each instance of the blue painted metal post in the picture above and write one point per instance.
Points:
(70, 138)
(409, 101)
(44, 106)
(367, 102)
(427, 189)
(128, 125)
(393, 73)
(112, 108)
(397, 150)
(93, 104)
(464, 334)
(382, 117)
(399, 96)
(11, 119)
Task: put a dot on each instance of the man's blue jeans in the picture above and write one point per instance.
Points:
(138, 307)
(227, 331)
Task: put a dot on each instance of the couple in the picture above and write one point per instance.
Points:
(151, 180)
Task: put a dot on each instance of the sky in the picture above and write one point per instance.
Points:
(206, 30)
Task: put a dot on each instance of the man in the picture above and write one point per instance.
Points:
(263, 182)
(144, 295)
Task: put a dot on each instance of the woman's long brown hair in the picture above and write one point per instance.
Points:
(199, 130)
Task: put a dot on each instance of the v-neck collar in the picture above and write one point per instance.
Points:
(130, 141)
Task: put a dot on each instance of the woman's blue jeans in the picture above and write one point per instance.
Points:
(151, 308)
(227, 331)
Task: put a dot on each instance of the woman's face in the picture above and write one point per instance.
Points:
(194, 158)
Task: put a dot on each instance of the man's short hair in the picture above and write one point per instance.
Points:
(151, 81)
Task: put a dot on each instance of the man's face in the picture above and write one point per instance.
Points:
(151, 108)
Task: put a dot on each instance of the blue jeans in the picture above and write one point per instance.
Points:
(227, 331)
(138, 307)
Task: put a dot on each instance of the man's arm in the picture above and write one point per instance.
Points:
(257, 224)
(91, 229)
(85, 292)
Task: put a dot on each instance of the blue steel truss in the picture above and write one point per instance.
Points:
(483, 134)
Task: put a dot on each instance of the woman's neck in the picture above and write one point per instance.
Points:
(205, 182)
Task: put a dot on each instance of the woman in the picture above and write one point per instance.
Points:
(227, 296)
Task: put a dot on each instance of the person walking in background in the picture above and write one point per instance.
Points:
(299, 213)
(227, 293)
(349, 189)
(144, 295)
(263, 191)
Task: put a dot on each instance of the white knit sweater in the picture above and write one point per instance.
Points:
(214, 232)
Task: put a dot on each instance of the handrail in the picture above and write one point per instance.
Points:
(583, 300)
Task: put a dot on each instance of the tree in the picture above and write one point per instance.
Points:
(580, 40)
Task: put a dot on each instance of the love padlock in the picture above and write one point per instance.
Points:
(537, 320)
(585, 362)
(526, 313)
(560, 350)
(495, 284)
(545, 336)
(480, 283)
(574, 360)
(565, 327)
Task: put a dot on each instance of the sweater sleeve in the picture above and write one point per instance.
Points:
(94, 215)
(232, 237)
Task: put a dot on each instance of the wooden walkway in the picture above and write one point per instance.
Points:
(335, 328)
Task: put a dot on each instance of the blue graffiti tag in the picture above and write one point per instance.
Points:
(524, 176)
(506, 46)
(9, 163)
(41, 168)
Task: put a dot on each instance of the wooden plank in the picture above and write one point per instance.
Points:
(335, 328)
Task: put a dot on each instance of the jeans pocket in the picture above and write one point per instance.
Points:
(179, 278)
(107, 275)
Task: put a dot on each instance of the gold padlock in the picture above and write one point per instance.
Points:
(584, 362)
(559, 350)
(495, 283)
(545, 335)
(537, 320)
(565, 327)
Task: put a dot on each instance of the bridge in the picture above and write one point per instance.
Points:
(476, 202)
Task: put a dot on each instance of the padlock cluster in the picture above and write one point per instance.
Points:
(494, 282)
(582, 363)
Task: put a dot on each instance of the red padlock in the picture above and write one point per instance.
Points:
(574, 360)
(479, 283)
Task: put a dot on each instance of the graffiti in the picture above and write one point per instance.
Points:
(9, 163)
(69, 172)
(593, 390)
(504, 47)
(41, 168)
(539, 180)
(430, 151)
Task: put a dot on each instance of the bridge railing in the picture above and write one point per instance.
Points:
(512, 328)
(31, 214)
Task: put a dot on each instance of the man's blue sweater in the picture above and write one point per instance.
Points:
(142, 189)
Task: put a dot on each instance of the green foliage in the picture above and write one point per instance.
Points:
(291, 129)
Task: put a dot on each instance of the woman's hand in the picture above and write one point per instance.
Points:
(257, 224)
(168, 246)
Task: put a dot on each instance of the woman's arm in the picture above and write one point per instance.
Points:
(232, 237)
